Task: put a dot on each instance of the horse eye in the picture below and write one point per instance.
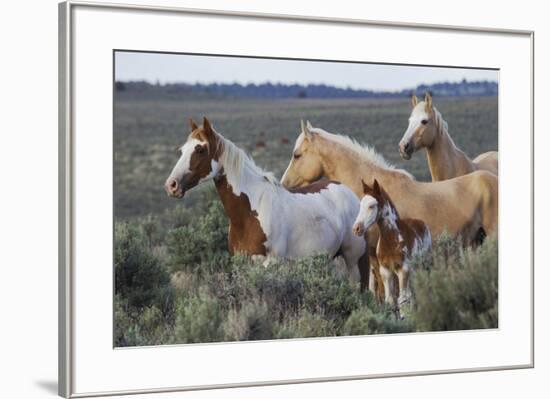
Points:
(424, 121)
(199, 149)
(296, 156)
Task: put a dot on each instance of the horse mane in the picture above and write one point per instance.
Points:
(236, 161)
(364, 150)
(386, 197)
(441, 125)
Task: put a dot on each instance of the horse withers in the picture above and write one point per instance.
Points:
(400, 239)
(266, 219)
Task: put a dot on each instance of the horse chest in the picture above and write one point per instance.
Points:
(391, 257)
(393, 250)
(247, 237)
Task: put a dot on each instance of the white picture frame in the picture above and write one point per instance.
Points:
(88, 363)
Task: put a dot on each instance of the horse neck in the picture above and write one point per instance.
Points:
(253, 190)
(235, 206)
(390, 232)
(388, 221)
(445, 159)
(348, 167)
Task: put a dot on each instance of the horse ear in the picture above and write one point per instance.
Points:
(428, 101)
(306, 130)
(206, 126)
(376, 187)
(366, 188)
(192, 124)
(414, 100)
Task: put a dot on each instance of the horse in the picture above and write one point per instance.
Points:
(427, 129)
(466, 206)
(265, 219)
(400, 239)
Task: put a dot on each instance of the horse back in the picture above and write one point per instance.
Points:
(340, 197)
(487, 161)
(313, 188)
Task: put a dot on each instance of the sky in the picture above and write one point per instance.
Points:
(171, 68)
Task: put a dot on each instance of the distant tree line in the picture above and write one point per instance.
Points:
(278, 90)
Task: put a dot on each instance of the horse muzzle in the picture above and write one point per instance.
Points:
(174, 188)
(406, 150)
(358, 229)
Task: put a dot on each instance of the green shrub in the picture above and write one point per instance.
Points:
(202, 246)
(199, 318)
(367, 321)
(139, 328)
(460, 290)
(252, 322)
(124, 325)
(139, 277)
(306, 325)
(312, 284)
(212, 297)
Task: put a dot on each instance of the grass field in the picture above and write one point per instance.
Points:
(174, 279)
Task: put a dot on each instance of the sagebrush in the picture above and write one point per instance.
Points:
(168, 293)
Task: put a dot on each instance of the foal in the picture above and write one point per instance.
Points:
(399, 240)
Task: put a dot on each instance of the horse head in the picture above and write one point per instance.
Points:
(306, 165)
(368, 209)
(198, 161)
(421, 130)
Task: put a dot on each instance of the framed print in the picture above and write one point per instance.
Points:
(252, 199)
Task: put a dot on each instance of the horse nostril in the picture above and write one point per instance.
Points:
(407, 147)
(171, 186)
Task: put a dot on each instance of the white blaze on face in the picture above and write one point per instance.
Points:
(368, 210)
(415, 120)
(299, 142)
(182, 167)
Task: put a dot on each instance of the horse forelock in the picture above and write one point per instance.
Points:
(363, 150)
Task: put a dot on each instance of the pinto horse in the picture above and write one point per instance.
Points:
(400, 239)
(427, 129)
(265, 218)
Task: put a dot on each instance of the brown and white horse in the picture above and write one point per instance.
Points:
(265, 218)
(427, 129)
(400, 239)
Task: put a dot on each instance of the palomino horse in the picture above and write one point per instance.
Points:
(265, 218)
(461, 206)
(400, 239)
(428, 129)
